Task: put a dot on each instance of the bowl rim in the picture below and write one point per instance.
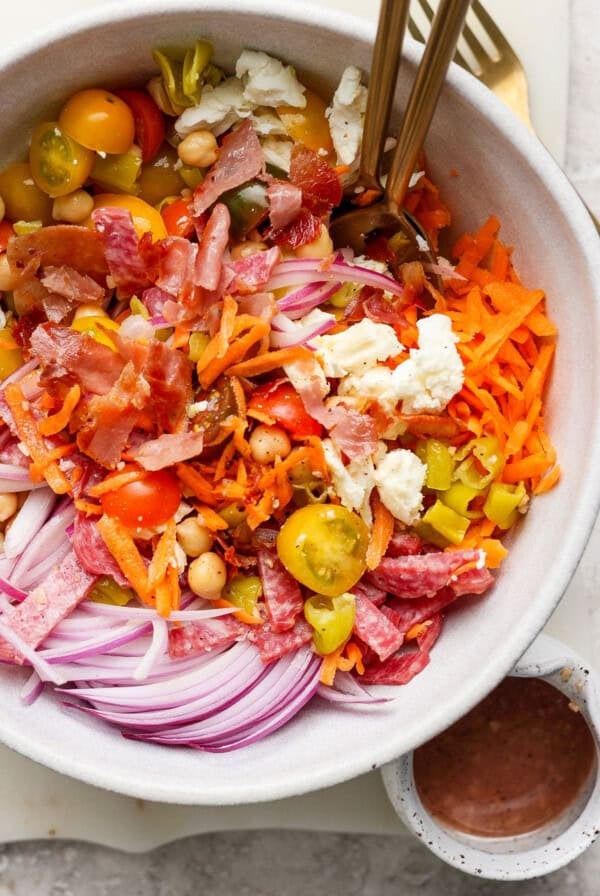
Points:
(535, 616)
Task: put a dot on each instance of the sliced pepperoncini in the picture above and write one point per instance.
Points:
(332, 619)
(481, 461)
(503, 502)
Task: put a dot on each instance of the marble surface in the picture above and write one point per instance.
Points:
(260, 863)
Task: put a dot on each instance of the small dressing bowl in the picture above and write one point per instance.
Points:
(549, 846)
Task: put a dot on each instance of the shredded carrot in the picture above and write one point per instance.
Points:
(240, 614)
(200, 487)
(116, 481)
(548, 482)
(270, 361)
(209, 518)
(416, 630)
(29, 433)
(87, 507)
(123, 548)
(381, 531)
(211, 365)
(226, 328)
(163, 556)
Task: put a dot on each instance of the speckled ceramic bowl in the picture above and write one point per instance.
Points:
(504, 170)
(543, 850)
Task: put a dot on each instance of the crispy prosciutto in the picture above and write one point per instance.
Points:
(121, 248)
(240, 159)
(64, 353)
(215, 239)
(252, 273)
(168, 449)
(285, 202)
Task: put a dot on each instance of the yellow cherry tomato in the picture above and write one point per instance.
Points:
(98, 327)
(145, 217)
(161, 177)
(99, 120)
(59, 165)
(308, 125)
(23, 198)
(324, 546)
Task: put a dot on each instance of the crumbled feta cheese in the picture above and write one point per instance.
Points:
(219, 108)
(267, 124)
(434, 372)
(356, 349)
(301, 375)
(268, 82)
(400, 477)
(277, 151)
(352, 483)
(375, 384)
(346, 116)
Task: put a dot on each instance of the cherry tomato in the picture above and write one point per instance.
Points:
(23, 198)
(324, 546)
(99, 120)
(148, 502)
(59, 165)
(149, 121)
(308, 125)
(145, 217)
(6, 231)
(177, 216)
(282, 402)
(161, 177)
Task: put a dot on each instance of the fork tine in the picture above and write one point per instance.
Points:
(414, 31)
(494, 33)
(480, 54)
(417, 33)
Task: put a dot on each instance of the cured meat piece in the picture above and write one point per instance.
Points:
(121, 247)
(66, 281)
(60, 245)
(398, 669)
(422, 575)
(60, 592)
(168, 449)
(273, 645)
(281, 591)
(375, 629)
(92, 553)
(154, 299)
(431, 634)
(240, 159)
(320, 185)
(252, 273)
(303, 229)
(472, 581)
(215, 240)
(63, 352)
(174, 271)
(285, 202)
(198, 637)
(406, 613)
(371, 592)
(403, 543)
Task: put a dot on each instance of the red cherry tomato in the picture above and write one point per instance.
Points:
(177, 216)
(282, 402)
(150, 501)
(149, 121)
(6, 231)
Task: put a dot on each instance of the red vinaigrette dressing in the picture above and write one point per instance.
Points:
(513, 764)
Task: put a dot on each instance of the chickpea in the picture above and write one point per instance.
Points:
(321, 247)
(207, 575)
(74, 208)
(7, 278)
(2, 209)
(8, 506)
(199, 149)
(268, 443)
(193, 537)
(89, 309)
(249, 247)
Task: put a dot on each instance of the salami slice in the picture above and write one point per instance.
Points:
(375, 629)
(281, 592)
(402, 544)
(92, 553)
(198, 637)
(371, 592)
(406, 613)
(60, 592)
(421, 575)
(398, 669)
(273, 645)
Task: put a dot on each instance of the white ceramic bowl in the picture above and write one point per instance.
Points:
(504, 170)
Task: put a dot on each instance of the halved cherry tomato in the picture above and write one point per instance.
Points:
(281, 401)
(324, 546)
(177, 216)
(59, 165)
(149, 121)
(99, 120)
(148, 502)
(145, 217)
(308, 125)
(6, 231)
(23, 198)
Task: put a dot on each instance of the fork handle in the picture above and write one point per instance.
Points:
(441, 45)
(393, 16)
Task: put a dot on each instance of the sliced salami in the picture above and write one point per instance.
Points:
(375, 629)
(281, 592)
(92, 553)
(398, 669)
(273, 645)
(421, 575)
(198, 637)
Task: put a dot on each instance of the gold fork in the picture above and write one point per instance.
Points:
(501, 69)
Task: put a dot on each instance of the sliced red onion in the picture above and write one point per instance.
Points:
(286, 333)
(19, 373)
(297, 303)
(27, 522)
(11, 590)
(32, 689)
(105, 642)
(349, 691)
(43, 668)
(306, 270)
(36, 574)
(141, 613)
(159, 646)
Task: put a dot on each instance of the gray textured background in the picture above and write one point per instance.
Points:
(282, 863)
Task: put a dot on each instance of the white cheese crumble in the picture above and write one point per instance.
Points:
(268, 82)
(301, 375)
(434, 372)
(277, 151)
(219, 108)
(356, 349)
(346, 116)
(400, 477)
